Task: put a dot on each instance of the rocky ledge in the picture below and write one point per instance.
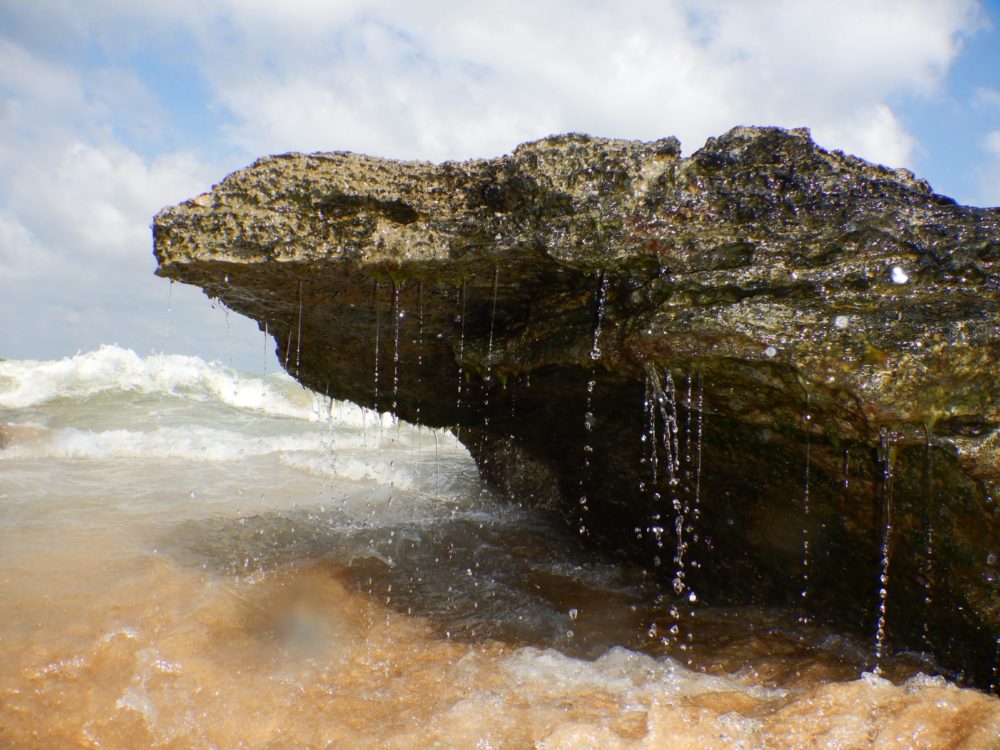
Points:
(767, 370)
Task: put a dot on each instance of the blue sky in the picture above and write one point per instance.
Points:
(111, 109)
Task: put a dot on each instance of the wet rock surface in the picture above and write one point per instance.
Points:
(809, 341)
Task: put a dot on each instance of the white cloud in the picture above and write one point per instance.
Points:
(989, 171)
(874, 131)
(84, 165)
(992, 143)
(443, 79)
(75, 260)
(984, 96)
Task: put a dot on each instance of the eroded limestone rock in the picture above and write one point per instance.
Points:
(823, 334)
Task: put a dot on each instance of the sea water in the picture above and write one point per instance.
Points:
(194, 557)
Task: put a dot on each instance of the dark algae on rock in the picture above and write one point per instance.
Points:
(767, 370)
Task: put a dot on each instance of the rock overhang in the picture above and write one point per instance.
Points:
(810, 309)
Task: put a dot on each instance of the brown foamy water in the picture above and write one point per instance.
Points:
(179, 569)
(144, 652)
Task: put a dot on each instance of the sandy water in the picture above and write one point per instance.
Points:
(192, 557)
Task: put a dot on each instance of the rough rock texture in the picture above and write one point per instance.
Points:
(811, 342)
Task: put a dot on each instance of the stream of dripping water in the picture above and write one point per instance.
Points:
(883, 593)
(671, 444)
(661, 401)
(378, 328)
(298, 336)
(928, 571)
(806, 557)
(419, 378)
(229, 327)
(588, 414)
(461, 344)
(263, 377)
(489, 349)
(686, 523)
(648, 438)
(696, 504)
(397, 316)
(170, 309)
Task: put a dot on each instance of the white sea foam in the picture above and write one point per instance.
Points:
(25, 383)
(188, 443)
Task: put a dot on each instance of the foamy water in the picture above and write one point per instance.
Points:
(192, 557)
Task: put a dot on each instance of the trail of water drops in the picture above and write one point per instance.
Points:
(588, 415)
(489, 350)
(298, 337)
(397, 316)
(928, 566)
(170, 309)
(461, 343)
(888, 450)
(378, 327)
(805, 617)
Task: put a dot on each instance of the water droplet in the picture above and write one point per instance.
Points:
(842, 321)
(899, 276)
(770, 351)
(574, 613)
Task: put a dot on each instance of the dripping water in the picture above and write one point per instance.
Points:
(229, 337)
(229, 328)
(928, 571)
(513, 400)
(461, 343)
(650, 440)
(298, 337)
(806, 557)
(687, 520)
(845, 481)
(668, 407)
(696, 505)
(489, 349)
(493, 317)
(170, 309)
(420, 346)
(883, 593)
(649, 436)
(588, 415)
(378, 326)
(661, 402)
(418, 375)
(263, 378)
(667, 404)
(397, 315)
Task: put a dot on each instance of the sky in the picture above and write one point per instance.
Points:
(113, 109)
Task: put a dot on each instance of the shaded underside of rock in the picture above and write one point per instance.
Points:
(766, 370)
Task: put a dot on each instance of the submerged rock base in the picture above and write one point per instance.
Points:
(766, 370)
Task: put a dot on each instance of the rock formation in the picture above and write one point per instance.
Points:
(767, 370)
